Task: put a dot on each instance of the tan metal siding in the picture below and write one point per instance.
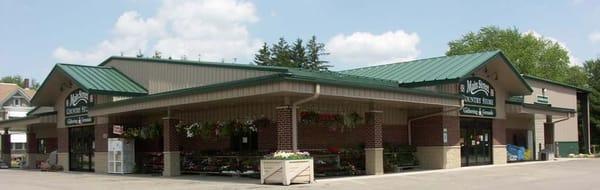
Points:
(161, 77)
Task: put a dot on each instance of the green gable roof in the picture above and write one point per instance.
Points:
(102, 80)
(96, 80)
(585, 90)
(425, 71)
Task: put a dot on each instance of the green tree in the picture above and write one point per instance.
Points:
(315, 51)
(281, 54)
(263, 57)
(532, 55)
(298, 54)
(577, 77)
(592, 69)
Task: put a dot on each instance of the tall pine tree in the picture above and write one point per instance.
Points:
(315, 51)
(298, 54)
(263, 57)
(281, 55)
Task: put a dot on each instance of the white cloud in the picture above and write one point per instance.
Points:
(573, 60)
(364, 49)
(594, 37)
(214, 29)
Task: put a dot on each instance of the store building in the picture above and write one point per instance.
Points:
(456, 111)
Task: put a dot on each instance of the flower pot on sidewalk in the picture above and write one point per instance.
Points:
(287, 170)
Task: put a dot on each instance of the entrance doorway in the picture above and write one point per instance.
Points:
(475, 141)
(81, 149)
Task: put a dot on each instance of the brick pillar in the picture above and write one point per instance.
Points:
(101, 134)
(6, 147)
(374, 143)
(32, 150)
(171, 148)
(63, 148)
(284, 128)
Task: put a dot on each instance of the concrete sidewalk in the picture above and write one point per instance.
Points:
(563, 174)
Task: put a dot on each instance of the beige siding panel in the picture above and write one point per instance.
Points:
(287, 86)
(161, 77)
(558, 96)
(566, 130)
(191, 99)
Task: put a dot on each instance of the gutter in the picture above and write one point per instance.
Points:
(462, 104)
(295, 115)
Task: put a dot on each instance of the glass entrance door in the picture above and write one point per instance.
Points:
(81, 149)
(475, 141)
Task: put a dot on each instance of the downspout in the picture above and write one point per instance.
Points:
(462, 104)
(295, 115)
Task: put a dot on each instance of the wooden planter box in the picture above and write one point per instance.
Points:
(287, 172)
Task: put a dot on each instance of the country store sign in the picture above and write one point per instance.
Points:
(76, 108)
(479, 97)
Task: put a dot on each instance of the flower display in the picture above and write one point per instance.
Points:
(285, 155)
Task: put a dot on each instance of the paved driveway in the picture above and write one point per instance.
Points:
(571, 175)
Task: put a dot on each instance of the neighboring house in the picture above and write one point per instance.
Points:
(15, 103)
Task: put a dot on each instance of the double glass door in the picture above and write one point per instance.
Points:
(475, 141)
(81, 149)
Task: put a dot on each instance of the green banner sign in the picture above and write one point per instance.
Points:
(76, 108)
(479, 97)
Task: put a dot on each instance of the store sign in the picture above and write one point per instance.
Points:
(478, 111)
(479, 97)
(76, 108)
(118, 129)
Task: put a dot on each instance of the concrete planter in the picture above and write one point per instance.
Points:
(287, 172)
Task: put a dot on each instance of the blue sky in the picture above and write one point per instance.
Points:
(36, 34)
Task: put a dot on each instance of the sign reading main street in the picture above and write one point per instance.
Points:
(479, 97)
(76, 108)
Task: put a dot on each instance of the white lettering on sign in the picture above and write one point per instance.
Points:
(477, 86)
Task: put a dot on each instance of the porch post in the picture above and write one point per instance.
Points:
(284, 128)
(102, 131)
(62, 140)
(171, 152)
(374, 143)
(32, 149)
(6, 147)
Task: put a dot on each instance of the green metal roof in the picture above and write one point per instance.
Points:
(557, 83)
(432, 70)
(102, 80)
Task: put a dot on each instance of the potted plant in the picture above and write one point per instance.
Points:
(287, 168)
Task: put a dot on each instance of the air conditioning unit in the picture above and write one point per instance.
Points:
(121, 155)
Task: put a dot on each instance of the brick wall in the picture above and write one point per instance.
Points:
(170, 137)
(63, 140)
(31, 143)
(499, 131)
(427, 132)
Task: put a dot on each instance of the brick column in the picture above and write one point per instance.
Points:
(63, 148)
(32, 150)
(284, 128)
(101, 134)
(171, 148)
(6, 147)
(374, 143)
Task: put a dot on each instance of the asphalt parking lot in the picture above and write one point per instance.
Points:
(572, 174)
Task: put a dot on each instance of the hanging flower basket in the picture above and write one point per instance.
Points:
(287, 168)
